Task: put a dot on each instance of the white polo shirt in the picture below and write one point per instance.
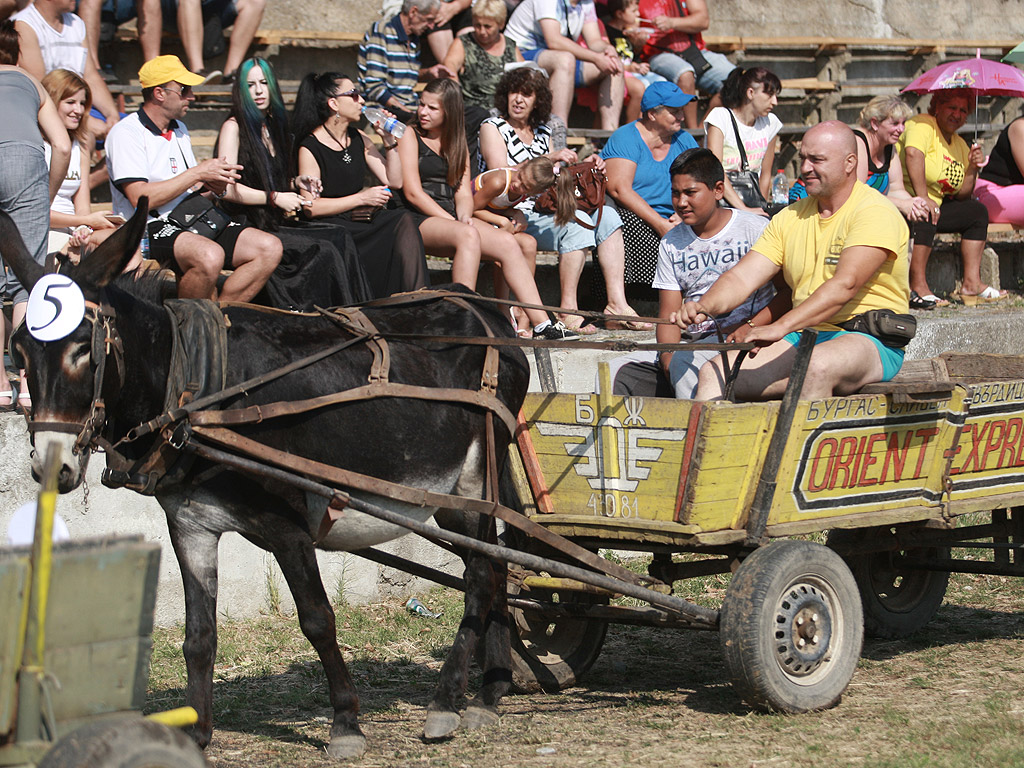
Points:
(138, 151)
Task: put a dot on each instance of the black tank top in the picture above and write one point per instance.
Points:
(434, 177)
(1002, 168)
(340, 177)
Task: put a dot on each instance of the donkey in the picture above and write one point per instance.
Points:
(436, 446)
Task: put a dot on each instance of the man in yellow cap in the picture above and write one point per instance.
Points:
(149, 153)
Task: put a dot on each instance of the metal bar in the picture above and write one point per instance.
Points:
(416, 569)
(956, 566)
(765, 493)
(994, 545)
(696, 613)
(616, 614)
(1002, 555)
(545, 371)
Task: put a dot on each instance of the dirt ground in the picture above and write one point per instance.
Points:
(953, 695)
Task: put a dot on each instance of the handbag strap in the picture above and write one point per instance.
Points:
(745, 166)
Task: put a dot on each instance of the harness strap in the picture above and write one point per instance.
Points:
(489, 375)
(355, 321)
(418, 497)
(254, 414)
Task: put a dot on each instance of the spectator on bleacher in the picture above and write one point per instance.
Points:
(53, 37)
(10, 7)
(333, 150)
(639, 156)
(72, 207)
(675, 50)
(621, 20)
(319, 264)
(26, 187)
(192, 16)
(1000, 187)
(436, 185)
(937, 163)
(479, 57)
(748, 98)
(521, 133)
(549, 32)
(389, 58)
(149, 153)
(118, 12)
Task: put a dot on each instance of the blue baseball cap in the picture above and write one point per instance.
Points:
(663, 94)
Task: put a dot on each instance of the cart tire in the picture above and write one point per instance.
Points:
(124, 742)
(896, 603)
(550, 655)
(782, 595)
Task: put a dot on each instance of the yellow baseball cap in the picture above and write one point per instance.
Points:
(164, 69)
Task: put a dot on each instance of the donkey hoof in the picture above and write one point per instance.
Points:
(440, 725)
(479, 717)
(347, 747)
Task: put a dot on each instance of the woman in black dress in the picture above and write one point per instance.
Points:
(333, 150)
(319, 266)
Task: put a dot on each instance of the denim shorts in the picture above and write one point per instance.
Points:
(892, 358)
(670, 66)
(572, 236)
(533, 53)
(25, 197)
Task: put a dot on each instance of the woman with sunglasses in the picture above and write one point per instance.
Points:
(334, 151)
(319, 265)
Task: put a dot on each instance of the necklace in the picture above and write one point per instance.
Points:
(345, 157)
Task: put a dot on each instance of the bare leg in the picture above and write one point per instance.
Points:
(687, 83)
(256, 256)
(458, 241)
(151, 25)
(570, 268)
(190, 30)
(561, 69)
(635, 87)
(611, 257)
(17, 315)
(611, 92)
(200, 261)
(918, 262)
(89, 11)
(250, 14)
(501, 247)
(440, 40)
(5, 384)
(970, 251)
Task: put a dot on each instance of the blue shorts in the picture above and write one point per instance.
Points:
(892, 358)
(571, 236)
(532, 55)
(670, 66)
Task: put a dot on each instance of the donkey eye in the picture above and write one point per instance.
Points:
(78, 354)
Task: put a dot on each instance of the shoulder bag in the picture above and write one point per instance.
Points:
(745, 181)
(588, 189)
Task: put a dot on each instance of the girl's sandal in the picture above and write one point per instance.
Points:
(575, 323)
(626, 325)
(9, 405)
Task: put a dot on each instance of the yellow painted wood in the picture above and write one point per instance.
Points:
(988, 457)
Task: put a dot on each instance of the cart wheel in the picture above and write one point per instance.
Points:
(896, 602)
(791, 627)
(552, 654)
(124, 742)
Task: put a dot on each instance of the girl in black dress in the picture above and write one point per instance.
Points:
(333, 150)
(435, 167)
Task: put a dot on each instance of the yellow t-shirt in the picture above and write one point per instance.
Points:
(944, 164)
(807, 248)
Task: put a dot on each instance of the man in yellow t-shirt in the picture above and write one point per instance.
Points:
(843, 252)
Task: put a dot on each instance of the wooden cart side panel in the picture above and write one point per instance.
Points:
(729, 450)
(14, 582)
(987, 459)
(608, 456)
(864, 453)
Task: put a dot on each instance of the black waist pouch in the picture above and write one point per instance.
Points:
(890, 328)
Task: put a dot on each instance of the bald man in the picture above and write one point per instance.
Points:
(843, 252)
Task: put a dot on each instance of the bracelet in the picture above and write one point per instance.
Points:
(271, 196)
(389, 147)
(748, 322)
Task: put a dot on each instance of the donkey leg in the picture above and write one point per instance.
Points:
(495, 656)
(443, 711)
(196, 550)
(316, 618)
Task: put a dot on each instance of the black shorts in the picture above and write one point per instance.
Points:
(162, 235)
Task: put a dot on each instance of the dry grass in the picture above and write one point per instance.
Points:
(950, 696)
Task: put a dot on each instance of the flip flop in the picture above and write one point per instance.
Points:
(7, 407)
(626, 325)
(24, 403)
(919, 302)
(938, 302)
(987, 296)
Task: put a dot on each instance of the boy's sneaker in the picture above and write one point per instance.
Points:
(556, 332)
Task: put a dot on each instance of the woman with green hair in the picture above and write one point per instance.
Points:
(320, 264)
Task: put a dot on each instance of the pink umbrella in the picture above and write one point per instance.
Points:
(979, 75)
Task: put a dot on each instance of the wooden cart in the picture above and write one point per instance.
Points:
(711, 488)
(76, 623)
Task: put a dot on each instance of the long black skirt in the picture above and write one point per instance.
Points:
(390, 250)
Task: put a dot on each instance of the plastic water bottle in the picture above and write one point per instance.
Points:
(389, 124)
(144, 245)
(780, 189)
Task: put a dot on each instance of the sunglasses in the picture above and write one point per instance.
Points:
(355, 93)
(185, 92)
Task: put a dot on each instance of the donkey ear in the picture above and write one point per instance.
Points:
(16, 255)
(113, 254)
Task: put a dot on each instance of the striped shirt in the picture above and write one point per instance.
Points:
(389, 64)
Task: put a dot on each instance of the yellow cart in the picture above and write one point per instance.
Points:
(719, 487)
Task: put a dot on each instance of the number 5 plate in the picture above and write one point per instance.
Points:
(56, 307)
